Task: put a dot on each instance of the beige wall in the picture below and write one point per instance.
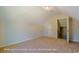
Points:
(18, 25)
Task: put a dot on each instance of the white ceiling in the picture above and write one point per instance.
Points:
(72, 11)
(40, 13)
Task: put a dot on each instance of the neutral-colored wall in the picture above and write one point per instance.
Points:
(19, 25)
(75, 30)
(50, 28)
(2, 28)
(24, 23)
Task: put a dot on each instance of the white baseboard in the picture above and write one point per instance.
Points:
(75, 40)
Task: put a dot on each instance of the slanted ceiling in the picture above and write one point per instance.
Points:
(40, 13)
(29, 12)
(72, 11)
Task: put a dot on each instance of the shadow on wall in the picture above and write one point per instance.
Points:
(71, 27)
(75, 30)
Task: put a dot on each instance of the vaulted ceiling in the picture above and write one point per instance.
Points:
(39, 13)
(72, 11)
(32, 13)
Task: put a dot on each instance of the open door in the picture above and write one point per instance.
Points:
(69, 29)
(64, 28)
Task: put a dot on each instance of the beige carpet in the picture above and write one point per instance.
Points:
(43, 45)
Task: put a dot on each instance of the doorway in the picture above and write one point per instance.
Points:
(64, 28)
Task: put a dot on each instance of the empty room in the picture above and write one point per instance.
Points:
(39, 29)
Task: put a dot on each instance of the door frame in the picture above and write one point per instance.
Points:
(67, 17)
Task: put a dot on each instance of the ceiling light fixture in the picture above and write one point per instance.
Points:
(49, 8)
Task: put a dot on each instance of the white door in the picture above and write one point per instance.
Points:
(69, 29)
